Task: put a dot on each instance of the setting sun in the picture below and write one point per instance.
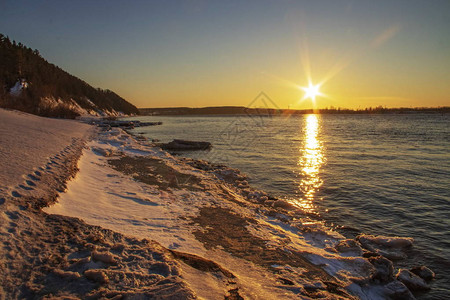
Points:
(312, 91)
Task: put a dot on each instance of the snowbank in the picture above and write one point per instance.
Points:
(28, 141)
(55, 257)
(20, 85)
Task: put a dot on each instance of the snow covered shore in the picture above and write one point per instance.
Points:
(171, 227)
(54, 257)
(272, 250)
(28, 141)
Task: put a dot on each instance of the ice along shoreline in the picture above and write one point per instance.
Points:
(210, 211)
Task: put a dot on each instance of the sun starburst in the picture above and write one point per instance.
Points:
(312, 91)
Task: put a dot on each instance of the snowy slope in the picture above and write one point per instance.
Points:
(35, 139)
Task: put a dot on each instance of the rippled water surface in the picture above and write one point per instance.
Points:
(377, 174)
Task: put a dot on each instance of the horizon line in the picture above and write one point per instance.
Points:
(380, 107)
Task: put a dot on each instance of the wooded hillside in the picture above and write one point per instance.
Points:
(29, 83)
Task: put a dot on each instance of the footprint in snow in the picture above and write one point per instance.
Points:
(13, 215)
(27, 188)
(174, 246)
(30, 183)
(32, 177)
(16, 194)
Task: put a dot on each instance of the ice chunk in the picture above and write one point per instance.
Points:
(385, 241)
(411, 280)
(397, 290)
(349, 247)
(390, 247)
(423, 272)
(384, 268)
(20, 85)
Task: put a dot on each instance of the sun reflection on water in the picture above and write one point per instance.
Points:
(310, 160)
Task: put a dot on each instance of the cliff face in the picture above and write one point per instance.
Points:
(29, 83)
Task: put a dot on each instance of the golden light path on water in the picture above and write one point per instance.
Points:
(310, 160)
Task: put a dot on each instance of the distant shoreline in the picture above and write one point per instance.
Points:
(241, 110)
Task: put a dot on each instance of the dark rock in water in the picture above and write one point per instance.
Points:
(384, 268)
(398, 291)
(115, 123)
(411, 280)
(423, 272)
(182, 145)
(125, 124)
(143, 124)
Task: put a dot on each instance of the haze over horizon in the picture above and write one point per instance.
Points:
(210, 53)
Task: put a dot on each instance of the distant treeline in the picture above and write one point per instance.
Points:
(19, 63)
(241, 110)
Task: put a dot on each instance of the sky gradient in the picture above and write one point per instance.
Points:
(214, 53)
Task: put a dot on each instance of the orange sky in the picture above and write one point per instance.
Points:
(211, 53)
